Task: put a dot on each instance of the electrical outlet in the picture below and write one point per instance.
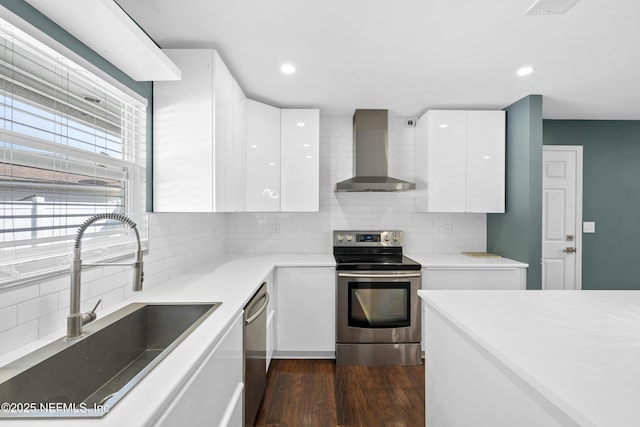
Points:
(276, 228)
(448, 230)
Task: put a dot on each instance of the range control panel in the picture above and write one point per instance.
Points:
(367, 238)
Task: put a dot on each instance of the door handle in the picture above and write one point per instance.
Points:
(260, 310)
(380, 276)
(569, 250)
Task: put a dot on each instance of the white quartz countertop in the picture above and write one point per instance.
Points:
(233, 284)
(579, 349)
(464, 261)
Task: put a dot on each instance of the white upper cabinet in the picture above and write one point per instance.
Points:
(282, 159)
(263, 157)
(198, 125)
(441, 150)
(460, 161)
(300, 150)
(485, 161)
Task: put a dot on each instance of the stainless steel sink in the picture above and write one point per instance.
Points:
(88, 376)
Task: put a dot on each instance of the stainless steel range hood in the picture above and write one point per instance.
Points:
(370, 159)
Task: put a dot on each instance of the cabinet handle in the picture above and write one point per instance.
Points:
(260, 311)
(376, 276)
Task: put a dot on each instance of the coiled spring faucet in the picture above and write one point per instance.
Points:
(76, 319)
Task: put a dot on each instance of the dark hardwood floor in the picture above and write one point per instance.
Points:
(317, 393)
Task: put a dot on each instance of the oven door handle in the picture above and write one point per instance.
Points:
(381, 275)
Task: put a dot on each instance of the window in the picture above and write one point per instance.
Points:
(71, 146)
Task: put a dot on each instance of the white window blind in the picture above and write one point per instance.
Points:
(71, 146)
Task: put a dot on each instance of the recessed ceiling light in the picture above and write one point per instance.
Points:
(444, 125)
(525, 71)
(254, 146)
(300, 124)
(306, 145)
(288, 68)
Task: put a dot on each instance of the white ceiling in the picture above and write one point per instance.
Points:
(412, 55)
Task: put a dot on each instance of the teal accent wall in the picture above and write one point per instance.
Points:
(145, 89)
(517, 233)
(611, 197)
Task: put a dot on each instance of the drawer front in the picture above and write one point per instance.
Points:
(473, 278)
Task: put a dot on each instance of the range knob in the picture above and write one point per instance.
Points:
(340, 237)
(349, 237)
(386, 237)
(395, 238)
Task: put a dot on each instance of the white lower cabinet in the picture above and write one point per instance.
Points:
(305, 306)
(235, 410)
(480, 278)
(474, 278)
(213, 394)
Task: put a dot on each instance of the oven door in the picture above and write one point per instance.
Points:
(378, 307)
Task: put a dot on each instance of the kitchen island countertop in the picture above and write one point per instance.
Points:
(579, 350)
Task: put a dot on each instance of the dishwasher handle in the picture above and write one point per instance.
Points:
(251, 319)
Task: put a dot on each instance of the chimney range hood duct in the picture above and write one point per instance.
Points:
(370, 159)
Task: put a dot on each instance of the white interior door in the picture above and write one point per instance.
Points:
(562, 217)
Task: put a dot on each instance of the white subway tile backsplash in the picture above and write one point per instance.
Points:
(35, 308)
(113, 297)
(52, 322)
(8, 318)
(101, 286)
(17, 295)
(20, 335)
(55, 285)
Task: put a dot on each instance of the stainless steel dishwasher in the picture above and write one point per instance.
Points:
(255, 353)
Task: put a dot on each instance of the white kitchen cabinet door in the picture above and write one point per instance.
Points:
(236, 188)
(460, 163)
(223, 125)
(210, 396)
(481, 278)
(183, 149)
(444, 173)
(300, 167)
(197, 121)
(305, 308)
(263, 157)
(485, 161)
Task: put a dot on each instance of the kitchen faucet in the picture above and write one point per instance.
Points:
(76, 319)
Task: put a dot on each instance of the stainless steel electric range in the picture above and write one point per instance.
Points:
(378, 315)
